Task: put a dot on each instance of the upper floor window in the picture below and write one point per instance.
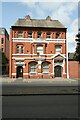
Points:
(19, 49)
(2, 40)
(57, 35)
(39, 49)
(39, 35)
(29, 34)
(19, 34)
(2, 49)
(58, 49)
(22, 49)
(48, 35)
(45, 67)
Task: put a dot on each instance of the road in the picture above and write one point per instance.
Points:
(40, 106)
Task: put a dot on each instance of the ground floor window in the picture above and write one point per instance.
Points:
(32, 67)
(45, 67)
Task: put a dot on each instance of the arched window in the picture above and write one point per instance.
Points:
(45, 67)
(32, 67)
(39, 49)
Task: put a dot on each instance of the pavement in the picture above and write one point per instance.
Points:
(38, 86)
(57, 80)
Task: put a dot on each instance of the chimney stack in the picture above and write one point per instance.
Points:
(28, 17)
(48, 18)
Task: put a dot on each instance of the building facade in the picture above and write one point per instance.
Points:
(38, 49)
(74, 67)
(4, 51)
(4, 42)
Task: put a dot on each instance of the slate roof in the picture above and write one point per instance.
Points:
(46, 23)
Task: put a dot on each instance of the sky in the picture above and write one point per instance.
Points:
(66, 11)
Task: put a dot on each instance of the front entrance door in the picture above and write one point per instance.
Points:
(58, 71)
(19, 71)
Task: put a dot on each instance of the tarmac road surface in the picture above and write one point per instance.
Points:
(40, 106)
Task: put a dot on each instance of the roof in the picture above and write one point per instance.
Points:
(46, 23)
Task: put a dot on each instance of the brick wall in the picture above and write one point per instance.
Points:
(74, 69)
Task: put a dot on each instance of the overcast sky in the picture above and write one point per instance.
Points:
(66, 11)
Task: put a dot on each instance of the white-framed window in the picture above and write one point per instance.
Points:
(39, 49)
(45, 67)
(19, 34)
(58, 49)
(48, 35)
(39, 35)
(17, 49)
(32, 67)
(57, 35)
(29, 34)
(22, 49)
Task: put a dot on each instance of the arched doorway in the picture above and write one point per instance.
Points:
(58, 71)
(19, 71)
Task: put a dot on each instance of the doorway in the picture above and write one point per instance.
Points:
(19, 71)
(58, 71)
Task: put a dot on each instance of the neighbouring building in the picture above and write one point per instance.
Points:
(74, 66)
(4, 42)
(4, 50)
(38, 49)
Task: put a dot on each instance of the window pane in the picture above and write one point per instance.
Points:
(33, 67)
(22, 49)
(45, 67)
(19, 34)
(39, 35)
(29, 35)
(57, 35)
(58, 49)
(48, 35)
(17, 49)
(40, 49)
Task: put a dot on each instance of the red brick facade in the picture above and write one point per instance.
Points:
(37, 52)
(4, 42)
(74, 69)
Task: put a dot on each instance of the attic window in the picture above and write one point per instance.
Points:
(39, 35)
(19, 34)
(57, 35)
(30, 35)
(48, 35)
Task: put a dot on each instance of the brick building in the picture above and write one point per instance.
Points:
(38, 49)
(4, 42)
(4, 51)
(74, 66)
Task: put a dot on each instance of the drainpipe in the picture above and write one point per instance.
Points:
(67, 58)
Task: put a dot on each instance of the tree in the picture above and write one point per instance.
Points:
(77, 52)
